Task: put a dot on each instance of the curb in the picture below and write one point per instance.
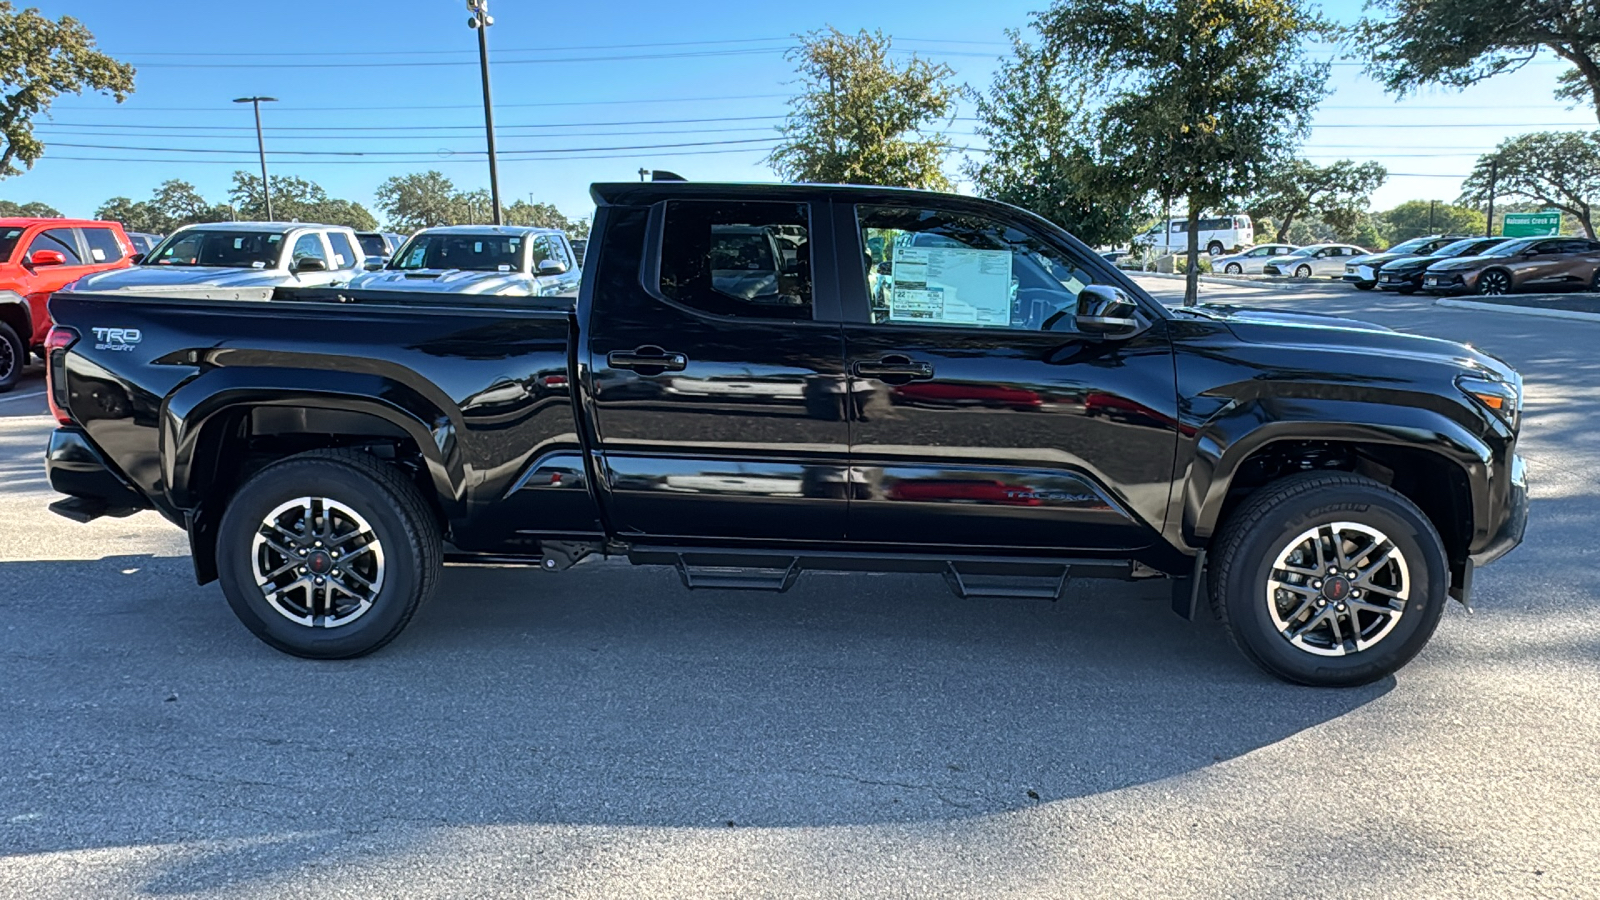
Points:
(1569, 314)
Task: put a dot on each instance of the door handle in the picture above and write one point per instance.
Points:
(647, 357)
(895, 367)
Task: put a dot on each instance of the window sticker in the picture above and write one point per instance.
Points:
(955, 286)
(98, 254)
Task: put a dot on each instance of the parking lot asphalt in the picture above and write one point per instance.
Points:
(604, 733)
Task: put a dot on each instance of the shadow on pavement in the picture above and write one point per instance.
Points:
(141, 712)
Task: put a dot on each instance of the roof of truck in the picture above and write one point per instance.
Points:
(637, 193)
(512, 230)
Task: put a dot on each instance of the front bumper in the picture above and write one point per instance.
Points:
(76, 467)
(1389, 281)
(1515, 522)
(1445, 283)
(1360, 275)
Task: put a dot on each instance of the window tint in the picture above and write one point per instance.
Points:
(309, 246)
(342, 250)
(928, 267)
(57, 239)
(738, 259)
(103, 245)
(1576, 246)
(372, 244)
(8, 241)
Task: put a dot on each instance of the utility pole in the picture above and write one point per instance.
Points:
(643, 172)
(1494, 174)
(261, 146)
(1432, 205)
(480, 21)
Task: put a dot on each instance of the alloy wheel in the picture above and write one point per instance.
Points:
(8, 359)
(1494, 283)
(1233, 269)
(1338, 589)
(1302, 272)
(317, 562)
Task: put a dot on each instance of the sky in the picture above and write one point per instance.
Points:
(594, 91)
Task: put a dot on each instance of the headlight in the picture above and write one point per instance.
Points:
(1504, 399)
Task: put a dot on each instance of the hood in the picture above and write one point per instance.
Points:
(1413, 263)
(1378, 259)
(1318, 332)
(451, 281)
(157, 277)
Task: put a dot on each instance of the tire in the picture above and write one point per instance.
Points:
(1215, 248)
(1364, 286)
(1494, 283)
(1302, 273)
(1280, 517)
(1233, 269)
(372, 505)
(13, 357)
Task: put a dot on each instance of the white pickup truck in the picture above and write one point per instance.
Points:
(241, 254)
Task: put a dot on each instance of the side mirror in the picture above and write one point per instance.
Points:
(308, 264)
(47, 258)
(374, 264)
(1107, 311)
(886, 268)
(551, 267)
(136, 259)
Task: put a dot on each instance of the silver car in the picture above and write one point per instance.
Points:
(1250, 261)
(1314, 261)
(239, 254)
(508, 260)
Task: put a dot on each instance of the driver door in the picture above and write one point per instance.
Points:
(979, 417)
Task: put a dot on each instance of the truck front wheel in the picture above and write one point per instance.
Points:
(1329, 579)
(328, 554)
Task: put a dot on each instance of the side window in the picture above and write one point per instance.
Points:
(560, 252)
(343, 252)
(929, 267)
(309, 246)
(738, 259)
(59, 239)
(103, 245)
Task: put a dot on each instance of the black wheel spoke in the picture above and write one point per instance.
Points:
(1319, 609)
(298, 537)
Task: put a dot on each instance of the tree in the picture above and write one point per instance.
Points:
(40, 60)
(539, 215)
(33, 210)
(1560, 169)
(420, 200)
(1205, 96)
(1336, 194)
(172, 205)
(296, 199)
(1038, 120)
(859, 118)
(1415, 218)
(1413, 43)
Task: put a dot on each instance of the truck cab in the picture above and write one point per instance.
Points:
(39, 256)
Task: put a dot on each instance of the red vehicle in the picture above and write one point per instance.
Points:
(37, 257)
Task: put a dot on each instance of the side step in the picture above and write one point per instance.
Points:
(730, 578)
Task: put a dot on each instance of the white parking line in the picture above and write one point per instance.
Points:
(23, 396)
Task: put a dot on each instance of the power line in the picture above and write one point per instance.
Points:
(277, 138)
(344, 52)
(342, 128)
(413, 152)
(428, 160)
(691, 54)
(473, 106)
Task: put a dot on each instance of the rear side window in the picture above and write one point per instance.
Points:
(103, 245)
(738, 259)
(343, 253)
(372, 244)
(309, 246)
(8, 241)
(57, 239)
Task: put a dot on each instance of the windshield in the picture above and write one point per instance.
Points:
(372, 245)
(472, 252)
(220, 249)
(8, 241)
(1410, 246)
(1511, 248)
(1462, 248)
(750, 252)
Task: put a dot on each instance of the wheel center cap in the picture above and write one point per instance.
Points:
(1336, 588)
(319, 562)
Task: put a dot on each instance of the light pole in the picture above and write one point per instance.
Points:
(480, 21)
(261, 145)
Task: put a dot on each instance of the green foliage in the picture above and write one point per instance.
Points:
(172, 205)
(539, 215)
(1558, 169)
(1204, 97)
(40, 60)
(296, 200)
(1413, 43)
(1336, 194)
(33, 210)
(1180, 264)
(860, 119)
(1411, 219)
(1039, 121)
(1363, 231)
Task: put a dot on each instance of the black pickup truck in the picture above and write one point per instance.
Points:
(761, 380)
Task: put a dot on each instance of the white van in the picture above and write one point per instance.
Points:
(1218, 234)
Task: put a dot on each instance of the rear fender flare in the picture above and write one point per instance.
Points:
(1226, 441)
(205, 401)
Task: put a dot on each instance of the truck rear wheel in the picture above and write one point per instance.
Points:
(1329, 579)
(328, 554)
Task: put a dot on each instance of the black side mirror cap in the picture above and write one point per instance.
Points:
(309, 264)
(1107, 311)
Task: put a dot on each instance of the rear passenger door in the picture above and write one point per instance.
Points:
(714, 370)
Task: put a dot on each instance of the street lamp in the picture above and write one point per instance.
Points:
(480, 22)
(261, 145)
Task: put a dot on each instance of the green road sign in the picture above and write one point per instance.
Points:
(1532, 224)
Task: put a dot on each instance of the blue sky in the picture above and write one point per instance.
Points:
(578, 85)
